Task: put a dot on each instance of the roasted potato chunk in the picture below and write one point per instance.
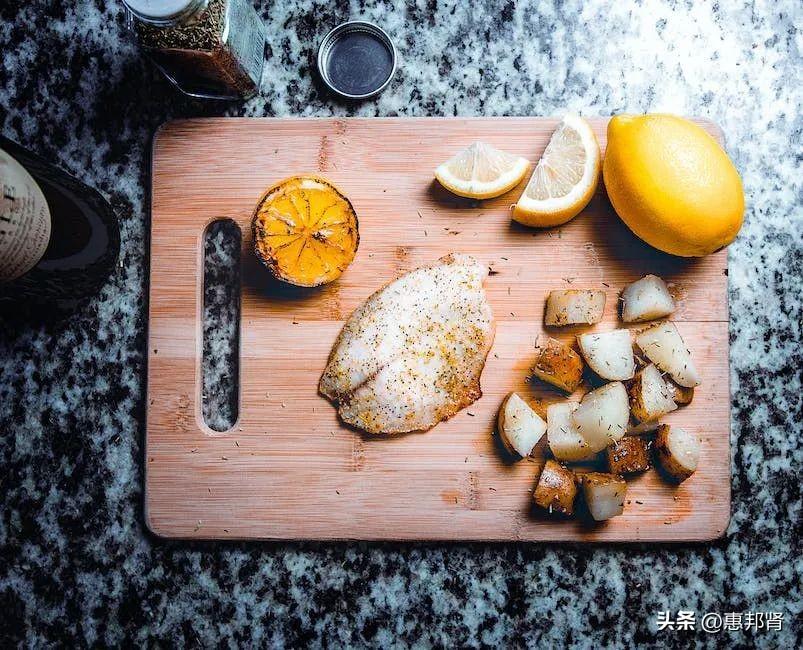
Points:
(520, 428)
(650, 396)
(540, 407)
(609, 354)
(557, 364)
(677, 451)
(641, 428)
(646, 299)
(574, 307)
(630, 455)
(556, 489)
(663, 345)
(604, 494)
(564, 441)
(602, 416)
(681, 394)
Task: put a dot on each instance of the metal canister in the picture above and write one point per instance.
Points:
(357, 60)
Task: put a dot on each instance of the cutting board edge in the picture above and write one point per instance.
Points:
(169, 125)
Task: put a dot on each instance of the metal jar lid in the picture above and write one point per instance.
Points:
(165, 12)
(357, 60)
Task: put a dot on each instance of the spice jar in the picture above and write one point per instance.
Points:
(213, 49)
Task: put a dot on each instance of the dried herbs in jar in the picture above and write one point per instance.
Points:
(208, 48)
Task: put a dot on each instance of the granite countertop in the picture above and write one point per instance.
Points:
(75, 559)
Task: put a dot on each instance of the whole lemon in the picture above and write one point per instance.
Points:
(672, 184)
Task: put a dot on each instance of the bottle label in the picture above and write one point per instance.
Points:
(24, 220)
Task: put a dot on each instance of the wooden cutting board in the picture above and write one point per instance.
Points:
(288, 469)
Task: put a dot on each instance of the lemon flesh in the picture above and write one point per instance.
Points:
(672, 184)
(564, 179)
(482, 172)
(305, 231)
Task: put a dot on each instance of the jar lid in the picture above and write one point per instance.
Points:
(162, 11)
(357, 60)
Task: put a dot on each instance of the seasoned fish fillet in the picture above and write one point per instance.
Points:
(411, 355)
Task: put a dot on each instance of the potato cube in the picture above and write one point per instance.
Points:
(604, 494)
(557, 364)
(556, 489)
(564, 441)
(662, 344)
(677, 451)
(519, 426)
(574, 307)
(646, 299)
(609, 354)
(630, 455)
(681, 394)
(650, 396)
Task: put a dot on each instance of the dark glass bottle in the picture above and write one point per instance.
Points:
(59, 238)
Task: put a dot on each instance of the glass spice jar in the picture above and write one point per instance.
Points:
(212, 49)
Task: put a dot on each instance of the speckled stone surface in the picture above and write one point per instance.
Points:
(76, 562)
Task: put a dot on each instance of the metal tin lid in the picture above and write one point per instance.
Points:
(164, 11)
(357, 60)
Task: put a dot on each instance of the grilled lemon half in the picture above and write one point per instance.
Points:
(305, 231)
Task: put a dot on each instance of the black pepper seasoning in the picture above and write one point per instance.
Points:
(207, 48)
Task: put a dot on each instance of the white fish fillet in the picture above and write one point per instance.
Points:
(411, 355)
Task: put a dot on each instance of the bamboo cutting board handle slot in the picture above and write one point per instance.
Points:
(221, 261)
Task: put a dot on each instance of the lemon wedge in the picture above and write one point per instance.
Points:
(564, 179)
(481, 172)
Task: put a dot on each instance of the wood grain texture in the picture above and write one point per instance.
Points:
(288, 469)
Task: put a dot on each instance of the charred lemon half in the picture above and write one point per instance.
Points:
(305, 231)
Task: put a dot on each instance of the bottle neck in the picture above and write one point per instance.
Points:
(166, 13)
